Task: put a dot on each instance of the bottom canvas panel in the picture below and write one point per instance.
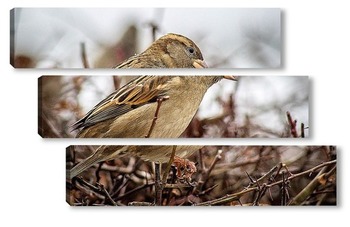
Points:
(211, 176)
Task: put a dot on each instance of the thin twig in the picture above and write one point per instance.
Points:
(296, 175)
(284, 189)
(159, 103)
(168, 166)
(280, 166)
(167, 170)
(292, 125)
(309, 189)
(154, 28)
(261, 193)
(232, 197)
(140, 204)
(158, 185)
(83, 55)
(302, 130)
(201, 160)
(97, 172)
(226, 199)
(134, 190)
(100, 190)
(106, 194)
(205, 175)
(208, 189)
(270, 172)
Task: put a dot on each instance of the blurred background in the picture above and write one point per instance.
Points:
(227, 37)
(254, 106)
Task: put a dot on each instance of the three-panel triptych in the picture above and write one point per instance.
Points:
(164, 112)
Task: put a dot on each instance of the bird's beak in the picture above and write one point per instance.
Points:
(199, 64)
(235, 78)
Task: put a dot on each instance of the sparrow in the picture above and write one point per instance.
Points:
(129, 111)
(149, 106)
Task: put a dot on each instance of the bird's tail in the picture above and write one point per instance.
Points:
(102, 153)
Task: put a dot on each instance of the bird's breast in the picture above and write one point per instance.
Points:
(173, 117)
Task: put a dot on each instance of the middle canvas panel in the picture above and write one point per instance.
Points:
(224, 106)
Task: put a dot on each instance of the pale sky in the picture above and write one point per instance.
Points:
(54, 34)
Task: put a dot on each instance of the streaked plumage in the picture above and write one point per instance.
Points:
(129, 111)
(169, 51)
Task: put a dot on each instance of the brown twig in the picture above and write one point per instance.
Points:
(134, 190)
(116, 82)
(284, 190)
(100, 190)
(208, 189)
(226, 199)
(309, 189)
(206, 173)
(235, 196)
(292, 125)
(158, 185)
(201, 160)
(302, 130)
(106, 194)
(168, 166)
(311, 170)
(261, 192)
(159, 103)
(83, 55)
(280, 167)
(154, 30)
(97, 172)
(140, 204)
(167, 170)
(46, 127)
(269, 173)
(177, 186)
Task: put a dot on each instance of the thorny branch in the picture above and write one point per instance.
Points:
(99, 190)
(229, 198)
(205, 175)
(276, 186)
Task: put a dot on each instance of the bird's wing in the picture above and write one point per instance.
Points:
(138, 92)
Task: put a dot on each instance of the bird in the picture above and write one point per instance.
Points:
(169, 51)
(129, 111)
(159, 154)
(149, 106)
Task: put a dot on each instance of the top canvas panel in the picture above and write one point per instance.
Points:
(104, 38)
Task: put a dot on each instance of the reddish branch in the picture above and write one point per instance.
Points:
(159, 103)
(292, 125)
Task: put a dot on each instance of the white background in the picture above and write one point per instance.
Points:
(316, 43)
(238, 37)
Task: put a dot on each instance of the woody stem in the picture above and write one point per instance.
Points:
(159, 103)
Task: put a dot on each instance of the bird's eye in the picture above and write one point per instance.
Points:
(190, 50)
